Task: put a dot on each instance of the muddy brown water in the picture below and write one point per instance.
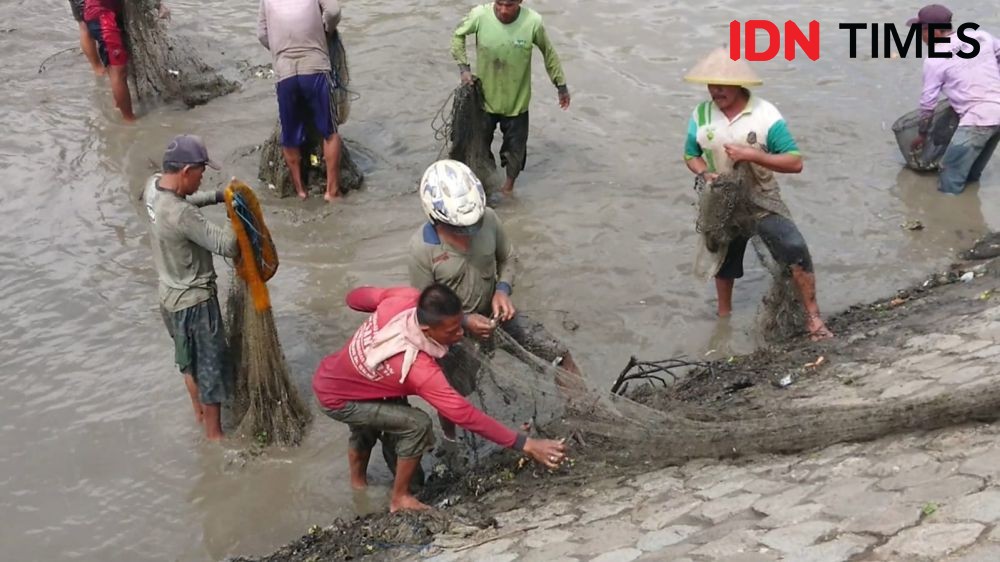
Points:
(99, 459)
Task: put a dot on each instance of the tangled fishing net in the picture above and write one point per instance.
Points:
(729, 208)
(466, 132)
(272, 169)
(943, 125)
(655, 426)
(267, 404)
(164, 68)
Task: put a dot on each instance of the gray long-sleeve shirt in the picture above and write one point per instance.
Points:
(183, 242)
(295, 33)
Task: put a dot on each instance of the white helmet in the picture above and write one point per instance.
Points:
(450, 193)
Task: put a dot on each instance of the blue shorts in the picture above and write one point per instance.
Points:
(305, 99)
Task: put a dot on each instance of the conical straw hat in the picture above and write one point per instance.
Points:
(718, 68)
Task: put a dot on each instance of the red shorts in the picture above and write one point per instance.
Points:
(106, 30)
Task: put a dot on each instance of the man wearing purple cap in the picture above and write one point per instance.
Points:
(183, 242)
(972, 86)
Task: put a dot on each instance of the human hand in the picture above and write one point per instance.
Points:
(918, 143)
(466, 77)
(164, 12)
(741, 152)
(480, 326)
(709, 177)
(564, 99)
(545, 451)
(503, 308)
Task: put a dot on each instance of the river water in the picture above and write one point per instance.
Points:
(99, 459)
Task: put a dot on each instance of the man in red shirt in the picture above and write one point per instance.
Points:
(103, 19)
(391, 356)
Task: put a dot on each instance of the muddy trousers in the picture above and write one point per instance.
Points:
(514, 150)
(966, 157)
(783, 241)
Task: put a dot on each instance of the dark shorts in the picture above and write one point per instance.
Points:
(461, 366)
(407, 431)
(305, 99)
(77, 7)
(200, 348)
(107, 31)
(783, 240)
(514, 149)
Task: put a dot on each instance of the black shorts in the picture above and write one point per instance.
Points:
(783, 241)
(514, 150)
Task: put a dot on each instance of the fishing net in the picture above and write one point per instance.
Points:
(164, 68)
(272, 169)
(728, 209)
(943, 125)
(266, 402)
(649, 424)
(466, 132)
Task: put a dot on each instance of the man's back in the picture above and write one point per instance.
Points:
(972, 85)
(293, 30)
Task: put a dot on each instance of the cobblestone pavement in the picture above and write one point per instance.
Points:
(915, 497)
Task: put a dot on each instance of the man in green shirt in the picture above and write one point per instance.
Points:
(505, 34)
(184, 242)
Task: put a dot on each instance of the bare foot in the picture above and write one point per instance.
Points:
(331, 197)
(302, 194)
(407, 503)
(817, 328)
(359, 484)
(100, 72)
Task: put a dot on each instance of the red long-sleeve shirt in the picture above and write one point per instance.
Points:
(343, 377)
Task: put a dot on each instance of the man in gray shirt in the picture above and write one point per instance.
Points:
(183, 242)
(295, 31)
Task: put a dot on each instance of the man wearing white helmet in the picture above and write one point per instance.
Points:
(464, 246)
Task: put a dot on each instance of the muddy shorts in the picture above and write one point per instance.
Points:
(200, 348)
(461, 366)
(514, 149)
(783, 241)
(401, 427)
(107, 31)
(305, 100)
(77, 7)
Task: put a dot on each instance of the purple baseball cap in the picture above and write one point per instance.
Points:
(188, 149)
(931, 14)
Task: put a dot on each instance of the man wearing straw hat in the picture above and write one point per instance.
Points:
(735, 126)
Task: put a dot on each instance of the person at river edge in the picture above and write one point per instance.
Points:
(183, 242)
(103, 19)
(391, 356)
(505, 34)
(295, 32)
(736, 126)
(464, 245)
(972, 86)
(87, 43)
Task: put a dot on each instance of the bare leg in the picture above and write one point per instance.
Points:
(213, 422)
(192, 387)
(331, 153)
(507, 189)
(358, 462)
(805, 284)
(724, 289)
(402, 499)
(89, 48)
(293, 159)
(119, 88)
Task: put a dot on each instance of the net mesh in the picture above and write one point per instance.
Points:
(163, 68)
(943, 125)
(466, 131)
(727, 210)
